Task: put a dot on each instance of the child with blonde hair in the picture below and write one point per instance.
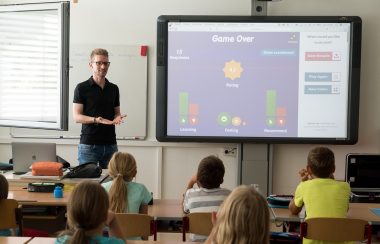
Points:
(243, 218)
(126, 196)
(88, 214)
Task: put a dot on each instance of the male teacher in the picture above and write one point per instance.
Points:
(96, 106)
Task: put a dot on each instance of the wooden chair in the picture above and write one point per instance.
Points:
(11, 215)
(137, 225)
(336, 229)
(196, 223)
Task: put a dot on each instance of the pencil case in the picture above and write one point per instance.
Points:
(47, 169)
(43, 186)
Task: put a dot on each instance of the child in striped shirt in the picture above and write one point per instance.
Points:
(209, 195)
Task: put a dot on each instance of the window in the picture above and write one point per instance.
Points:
(34, 65)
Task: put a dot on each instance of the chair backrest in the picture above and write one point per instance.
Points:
(137, 225)
(196, 223)
(336, 229)
(11, 215)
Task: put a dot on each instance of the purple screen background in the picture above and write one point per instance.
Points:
(201, 76)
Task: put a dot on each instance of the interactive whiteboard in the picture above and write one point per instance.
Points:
(258, 79)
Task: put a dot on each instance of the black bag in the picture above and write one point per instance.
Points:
(87, 170)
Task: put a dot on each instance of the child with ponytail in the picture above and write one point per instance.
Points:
(126, 196)
(88, 215)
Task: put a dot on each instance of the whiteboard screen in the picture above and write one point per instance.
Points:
(128, 70)
(278, 79)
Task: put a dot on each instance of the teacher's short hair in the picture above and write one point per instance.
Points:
(99, 51)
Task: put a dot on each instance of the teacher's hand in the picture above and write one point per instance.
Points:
(119, 119)
(103, 121)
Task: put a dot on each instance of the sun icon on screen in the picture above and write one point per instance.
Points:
(232, 70)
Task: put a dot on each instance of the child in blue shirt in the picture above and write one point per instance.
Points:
(88, 214)
(126, 196)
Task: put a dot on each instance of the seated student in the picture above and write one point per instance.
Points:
(243, 218)
(321, 195)
(126, 196)
(4, 188)
(87, 215)
(209, 196)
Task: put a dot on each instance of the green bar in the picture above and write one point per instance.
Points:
(183, 103)
(271, 102)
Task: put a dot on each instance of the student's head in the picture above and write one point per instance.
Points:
(243, 218)
(122, 167)
(4, 187)
(210, 172)
(321, 162)
(87, 210)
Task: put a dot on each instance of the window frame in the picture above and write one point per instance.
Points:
(63, 16)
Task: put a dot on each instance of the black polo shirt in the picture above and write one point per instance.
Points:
(97, 102)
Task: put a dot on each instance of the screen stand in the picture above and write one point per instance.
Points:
(255, 166)
(255, 160)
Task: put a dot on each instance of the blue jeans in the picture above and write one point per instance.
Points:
(96, 153)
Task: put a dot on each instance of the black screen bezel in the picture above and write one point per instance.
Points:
(353, 86)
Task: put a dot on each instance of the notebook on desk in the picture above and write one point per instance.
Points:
(25, 153)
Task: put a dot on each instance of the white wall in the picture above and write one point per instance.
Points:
(163, 167)
(166, 167)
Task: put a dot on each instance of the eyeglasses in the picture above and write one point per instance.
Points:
(98, 63)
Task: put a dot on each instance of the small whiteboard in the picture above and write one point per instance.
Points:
(128, 70)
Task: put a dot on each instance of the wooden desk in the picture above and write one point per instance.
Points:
(50, 240)
(161, 209)
(363, 211)
(26, 198)
(41, 209)
(43, 240)
(166, 209)
(356, 210)
(14, 239)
